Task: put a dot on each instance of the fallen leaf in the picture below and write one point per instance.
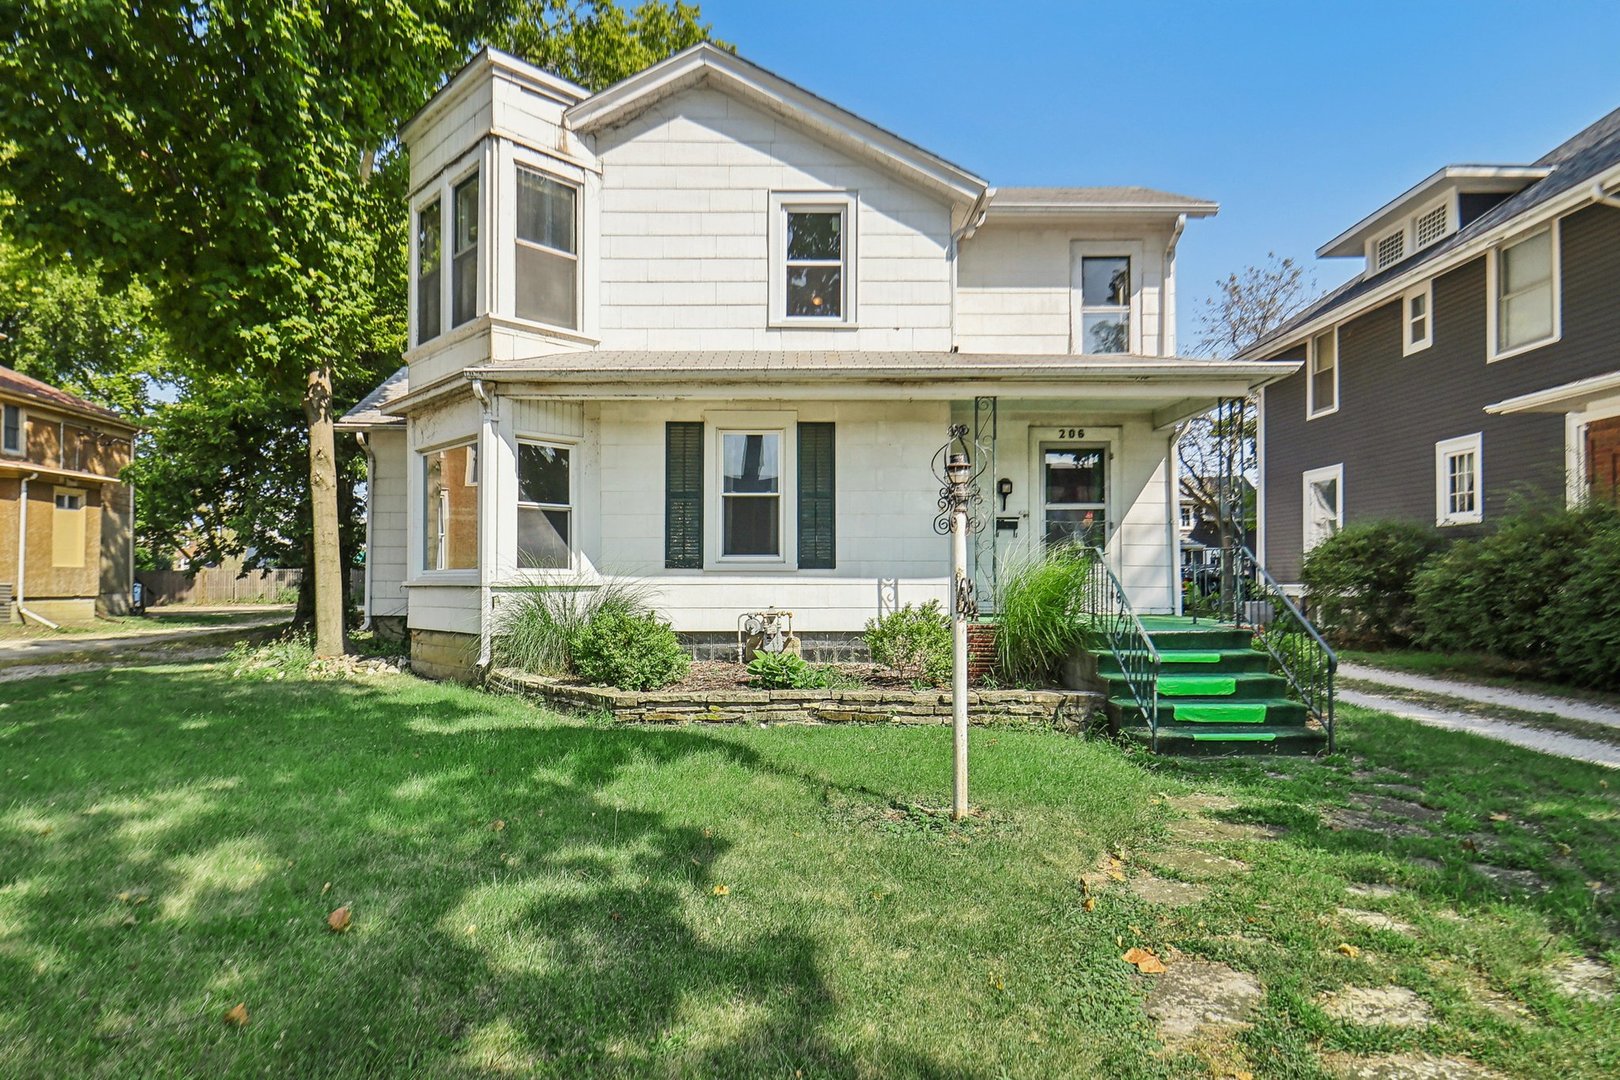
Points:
(1243, 1075)
(498, 824)
(1469, 845)
(326, 888)
(237, 1015)
(1346, 949)
(1565, 850)
(1144, 961)
(339, 920)
(1090, 903)
(996, 983)
(721, 890)
(1499, 817)
(473, 929)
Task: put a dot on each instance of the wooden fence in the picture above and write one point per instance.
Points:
(219, 585)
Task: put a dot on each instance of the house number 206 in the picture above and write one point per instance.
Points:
(1071, 433)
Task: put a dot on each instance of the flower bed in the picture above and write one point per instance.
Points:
(1064, 710)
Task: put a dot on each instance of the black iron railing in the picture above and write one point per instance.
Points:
(1251, 598)
(1115, 625)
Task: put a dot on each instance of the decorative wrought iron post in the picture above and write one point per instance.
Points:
(958, 498)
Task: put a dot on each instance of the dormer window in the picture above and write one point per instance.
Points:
(1389, 249)
(813, 259)
(1430, 226)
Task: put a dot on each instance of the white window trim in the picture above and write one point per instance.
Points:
(549, 573)
(1444, 450)
(783, 424)
(781, 203)
(1093, 249)
(432, 574)
(442, 187)
(21, 449)
(1410, 345)
(1492, 299)
(1309, 477)
(1311, 411)
(573, 178)
(1373, 266)
(481, 249)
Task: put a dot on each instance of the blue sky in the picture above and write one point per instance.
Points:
(1299, 118)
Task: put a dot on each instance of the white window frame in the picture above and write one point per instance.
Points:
(21, 448)
(1080, 250)
(785, 426)
(1444, 451)
(426, 521)
(480, 250)
(1311, 411)
(548, 169)
(573, 448)
(845, 203)
(443, 187)
(1308, 478)
(1410, 344)
(1493, 298)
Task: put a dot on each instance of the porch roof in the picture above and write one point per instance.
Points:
(1568, 397)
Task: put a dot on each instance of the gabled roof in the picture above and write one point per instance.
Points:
(1441, 182)
(705, 63)
(1058, 201)
(370, 412)
(25, 388)
(1589, 159)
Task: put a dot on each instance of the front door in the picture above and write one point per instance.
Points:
(1074, 493)
(1603, 460)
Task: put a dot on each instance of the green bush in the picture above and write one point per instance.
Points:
(1360, 581)
(628, 650)
(535, 628)
(914, 642)
(1582, 619)
(789, 671)
(1041, 612)
(1489, 595)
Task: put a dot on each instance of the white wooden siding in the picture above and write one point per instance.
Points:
(387, 530)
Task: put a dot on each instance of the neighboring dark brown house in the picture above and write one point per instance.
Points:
(1476, 361)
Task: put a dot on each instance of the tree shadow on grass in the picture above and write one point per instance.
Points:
(173, 842)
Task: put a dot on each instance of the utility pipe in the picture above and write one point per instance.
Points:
(486, 502)
(22, 555)
(371, 515)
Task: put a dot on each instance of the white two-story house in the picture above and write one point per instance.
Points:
(707, 330)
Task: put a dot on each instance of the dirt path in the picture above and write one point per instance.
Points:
(1503, 697)
(69, 649)
(1557, 743)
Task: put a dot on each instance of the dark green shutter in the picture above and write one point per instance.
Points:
(683, 495)
(818, 537)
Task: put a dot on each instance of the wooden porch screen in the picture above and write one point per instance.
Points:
(818, 540)
(683, 495)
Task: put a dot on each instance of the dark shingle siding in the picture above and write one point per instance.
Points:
(1394, 408)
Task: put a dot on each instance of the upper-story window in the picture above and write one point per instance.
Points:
(547, 255)
(1417, 319)
(11, 430)
(464, 253)
(1428, 226)
(812, 259)
(1322, 382)
(429, 256)
(1105, 303)
(1524, 294)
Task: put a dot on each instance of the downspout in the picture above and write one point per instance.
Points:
(1167, 305)
(371, 516)
(22, 555)
(486, 498)
(970, 225)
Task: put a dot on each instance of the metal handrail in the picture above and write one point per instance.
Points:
(1309, 670)
(1139, 660)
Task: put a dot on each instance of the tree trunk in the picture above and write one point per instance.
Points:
(323, 495)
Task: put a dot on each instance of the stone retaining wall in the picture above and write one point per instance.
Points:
(1064, 710)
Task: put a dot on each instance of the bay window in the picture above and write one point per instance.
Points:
(545, 507)
(429, 256)
(450, 509)
(547, 253)
(464, 251)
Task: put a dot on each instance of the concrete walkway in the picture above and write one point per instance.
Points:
(1557, 743)
(70, 648)
(1568, 708)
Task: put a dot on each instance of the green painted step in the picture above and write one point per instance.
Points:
(1189, 656)
(1197, 685)
(1276, 711)
(1234, 736)
(1249, 712)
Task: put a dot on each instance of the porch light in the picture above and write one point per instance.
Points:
(958, 470)
(953, 468)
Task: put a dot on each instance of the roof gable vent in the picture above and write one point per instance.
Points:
(1389, 250)
(1430, 226)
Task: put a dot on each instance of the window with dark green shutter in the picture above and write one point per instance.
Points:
(818, 537)
(683, 495)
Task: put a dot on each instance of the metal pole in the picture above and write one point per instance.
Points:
(959, 662)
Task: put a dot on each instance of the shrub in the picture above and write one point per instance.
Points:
(1582, 618)
(1489, 595)
(288, 655)
(628, 650)
(789, 671)
(1042, 611)
(1360, 581)
(536, 628)
(914, 642)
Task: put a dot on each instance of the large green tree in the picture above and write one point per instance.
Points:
(223, 155)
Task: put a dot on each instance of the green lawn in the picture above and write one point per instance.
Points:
(538, 895)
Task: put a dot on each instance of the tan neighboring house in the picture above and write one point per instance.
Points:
(66, 520)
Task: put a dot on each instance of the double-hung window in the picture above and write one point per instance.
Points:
(751, 494)
(67, 528)
(450, 509)
(11, 430)
(429, 261)
(464, 251)
(545, 525)
(813, 259)
(547, 256)
(1459, 496)
(1105, 303)
(1524, 294)
(1324, 504)
(1417, 319)
(1322, 375)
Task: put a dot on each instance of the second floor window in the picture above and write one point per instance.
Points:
(1105, 304)
(11, 441)
(1322, 387)
(1525, 300)
(429, 256)
(815, 264)
(464, 254)
(547, 250)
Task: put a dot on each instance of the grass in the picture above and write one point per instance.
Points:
(554, 896)
(129, 625)
(1480, 668)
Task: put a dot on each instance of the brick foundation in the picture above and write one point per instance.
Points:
(440, 654)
